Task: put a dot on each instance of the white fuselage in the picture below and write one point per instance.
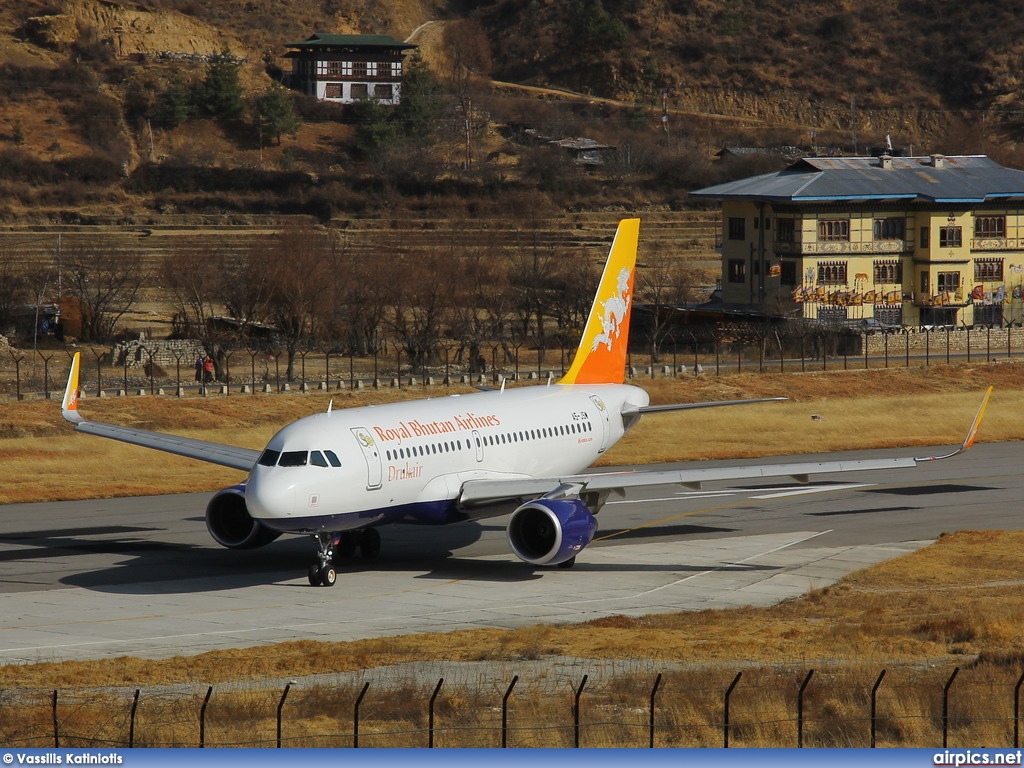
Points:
(408, 461)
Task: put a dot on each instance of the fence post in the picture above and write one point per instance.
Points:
(355, 717)
(202, 718)
(56, 726)
(131, 720)
(945, 705)
(280, 706)
(654, 691)
(725, 716)
(874, 699)
(576, 712)
(1016, 710)
(430, 716)
(504, 711)
(800, 710)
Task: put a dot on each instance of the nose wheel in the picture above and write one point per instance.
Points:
(322, 572)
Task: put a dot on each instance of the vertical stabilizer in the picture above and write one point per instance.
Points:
(601, 357)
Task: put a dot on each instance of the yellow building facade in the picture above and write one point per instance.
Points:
(876, 242)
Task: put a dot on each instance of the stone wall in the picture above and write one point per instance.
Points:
(164, 353)
(981, 341)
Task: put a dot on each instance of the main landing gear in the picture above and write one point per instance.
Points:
(322, 572)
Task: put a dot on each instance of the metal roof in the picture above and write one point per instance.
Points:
(326, 40)
(937, 179)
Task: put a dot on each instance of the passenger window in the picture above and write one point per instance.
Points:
(268, 458)
(317, 459)
(293, 459)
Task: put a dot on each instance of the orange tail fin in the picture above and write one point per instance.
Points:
(601, 357)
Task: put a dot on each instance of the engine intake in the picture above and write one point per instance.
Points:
(230, 524)
(550, 531)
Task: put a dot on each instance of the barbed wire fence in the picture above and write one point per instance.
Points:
(911, 706)
(161, 367)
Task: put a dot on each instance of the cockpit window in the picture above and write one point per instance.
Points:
(268, 458)
(293, 459)
(332, 457)
(317, 459)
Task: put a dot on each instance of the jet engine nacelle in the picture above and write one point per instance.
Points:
(229, 522)
(550, 531)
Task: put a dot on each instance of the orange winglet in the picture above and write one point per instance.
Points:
(69, 406)
(601, 357)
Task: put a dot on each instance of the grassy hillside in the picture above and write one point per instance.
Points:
(80, 81)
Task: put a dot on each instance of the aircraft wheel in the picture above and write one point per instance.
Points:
(568, 563)
(314, 575)
(328, 576)
(369, 543)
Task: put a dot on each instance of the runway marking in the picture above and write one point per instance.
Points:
(738, 562)
(804, 491)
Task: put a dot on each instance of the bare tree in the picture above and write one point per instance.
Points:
(192, 277)
(663, 283)
(106, 285)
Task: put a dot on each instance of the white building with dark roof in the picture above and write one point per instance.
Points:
(347, 68)
(905, 240)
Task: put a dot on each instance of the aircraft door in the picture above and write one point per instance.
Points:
(478, 444)
(374, 465)
(605, 423)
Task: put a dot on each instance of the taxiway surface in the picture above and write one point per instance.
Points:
(141, 576)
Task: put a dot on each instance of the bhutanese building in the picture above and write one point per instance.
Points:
(346, 68)
(905, 240)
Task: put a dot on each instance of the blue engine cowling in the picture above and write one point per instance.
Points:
(550, 531)
(229, 522)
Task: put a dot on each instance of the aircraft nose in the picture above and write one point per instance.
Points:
(269, 497)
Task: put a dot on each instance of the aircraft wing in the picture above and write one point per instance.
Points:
(478, 492)
(203, 450)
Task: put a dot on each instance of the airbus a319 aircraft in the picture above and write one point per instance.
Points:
(523, 452)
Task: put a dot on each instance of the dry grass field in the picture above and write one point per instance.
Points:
(959, 602)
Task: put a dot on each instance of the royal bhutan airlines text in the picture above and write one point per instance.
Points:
(407, 430)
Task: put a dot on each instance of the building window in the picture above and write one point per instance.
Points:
(990, 226)
(384, 91)
(346, 68)
(371, 69)
(334, 69)
(737, 228)
(950, 237)
(832, 273)
(949, 282)
(834, 229)
(332, 91)
(359, 69)
(988, 270)
(988, 314)
(785, 231)
(832, 315)
(888, 271)
(788, 274)
(890, 314)
(737, 271)
(890, 229)
(359, 91)
(396, 69)
(924, 237)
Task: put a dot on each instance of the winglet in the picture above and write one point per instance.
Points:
(69, 406)
(601, 357)
(972, 433)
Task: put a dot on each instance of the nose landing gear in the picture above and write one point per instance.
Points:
(322, 572)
